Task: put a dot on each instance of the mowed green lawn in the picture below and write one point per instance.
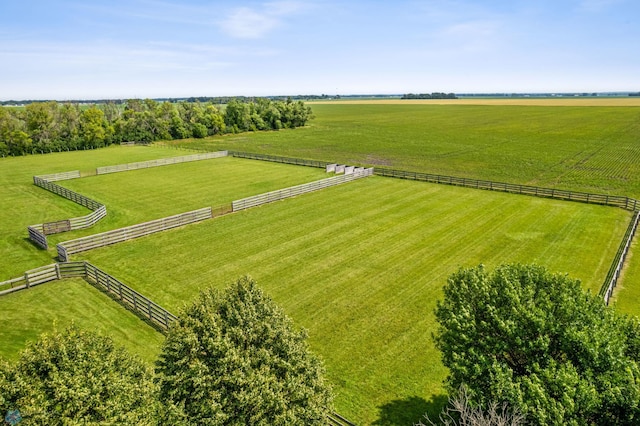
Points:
(131, 197)
(361, 266)
(28, 314)
(141, 195)
(592, 148)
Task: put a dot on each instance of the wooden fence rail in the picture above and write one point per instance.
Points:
(159, 162)
(278, 159)
(610, 200)
(66, 193)
(65, 249)
(130, 298)
(38, 233)
(60, 176)
(281, 194)
(613, 275)
(31, 278)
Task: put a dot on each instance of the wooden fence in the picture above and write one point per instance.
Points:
(66, 193)
(65, 249)
(31, 278)
(611, 280)
(159, 162)
(281, 194)
(278, 159)
(335, 419)
(130, 298)
(610, 200)
(60, 176)
(38, 233)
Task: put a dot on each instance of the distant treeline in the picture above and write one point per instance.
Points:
(434, 95)
(51, 126)
(203, 99)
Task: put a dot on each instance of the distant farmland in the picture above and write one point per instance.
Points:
(360, 265)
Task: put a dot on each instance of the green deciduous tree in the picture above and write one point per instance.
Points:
(535, 340)
(94, 129)
(236, 358)
(78, 377)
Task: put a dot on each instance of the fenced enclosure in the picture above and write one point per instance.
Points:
(38, 233)
(611, 280)
(159, 162)
(65, 249)
(281, 194)
(128, 297)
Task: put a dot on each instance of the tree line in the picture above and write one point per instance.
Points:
(42, 127)
(434, 95)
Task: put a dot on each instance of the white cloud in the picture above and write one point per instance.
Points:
(253, 23)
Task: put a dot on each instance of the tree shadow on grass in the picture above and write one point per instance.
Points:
(409, 411)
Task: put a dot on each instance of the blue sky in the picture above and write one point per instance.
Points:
(73, 49)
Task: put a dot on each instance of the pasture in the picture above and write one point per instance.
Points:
(360, 265)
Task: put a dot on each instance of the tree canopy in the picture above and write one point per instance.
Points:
(234, 357)
(49, 126)
(78, 377)
(535, 340)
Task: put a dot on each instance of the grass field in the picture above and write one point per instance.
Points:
(361, 266)
(210, 183)
(28, 314)
(142, 195)
(592, 149)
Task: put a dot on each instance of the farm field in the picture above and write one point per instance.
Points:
(582, 148)
(361, 266)
(27, 314)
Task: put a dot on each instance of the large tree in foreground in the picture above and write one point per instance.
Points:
(77, 377)
(536, 341)
(234, 357)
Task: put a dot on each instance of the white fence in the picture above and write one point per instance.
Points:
(60, 176)
(281, 194)
(159, 162)
(67, 248)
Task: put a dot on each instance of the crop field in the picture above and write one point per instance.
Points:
(582, 148)
(360, 265)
